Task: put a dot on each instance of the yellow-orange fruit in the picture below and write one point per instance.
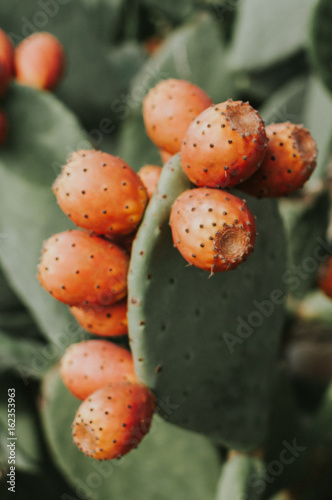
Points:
(40, 61)
(164, 155)
(101, 193)
(289, 161)
(149, 175)
(224, 145)
(90, 365)
(113, 420)
(168, 110)
(79, 268)
(212, 229)
(107, 321)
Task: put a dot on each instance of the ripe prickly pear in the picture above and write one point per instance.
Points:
(40, 61)
(79, 268)
(101, 193)
(168, 110)
(93, 364)
(212, 229)
(113, 420)
(290, 160)
(224, 145)
(150, 176)
(107, 321)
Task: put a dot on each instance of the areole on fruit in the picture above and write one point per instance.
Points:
(290, 160)
(224, 145)
(213, 230)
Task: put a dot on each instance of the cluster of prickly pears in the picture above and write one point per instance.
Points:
(87, 270)
(38, 61)
(222, 146)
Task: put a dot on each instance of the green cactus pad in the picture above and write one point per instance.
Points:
(238, 478)
(168, 463)
(190, 335)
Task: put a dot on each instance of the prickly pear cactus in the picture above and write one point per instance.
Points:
(169, 463)
(207, 347)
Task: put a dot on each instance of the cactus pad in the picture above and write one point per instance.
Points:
(205, 346)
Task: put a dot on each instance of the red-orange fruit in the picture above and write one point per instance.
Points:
(325, 277)
(290, 160)
(6, 62)
(107, 321)
(224, 145)
(168, 110)
(79, 268)
(101, 193)
(40, 61)
(3, 127)
(149, 175)
(212, 229)
(88, 366)
(164, 155)
(113, 420)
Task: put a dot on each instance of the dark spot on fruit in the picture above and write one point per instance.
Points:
(83, 192)
(158, 369)
(86, 216)
(211, 145)
(187, 230)
(273, 158)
